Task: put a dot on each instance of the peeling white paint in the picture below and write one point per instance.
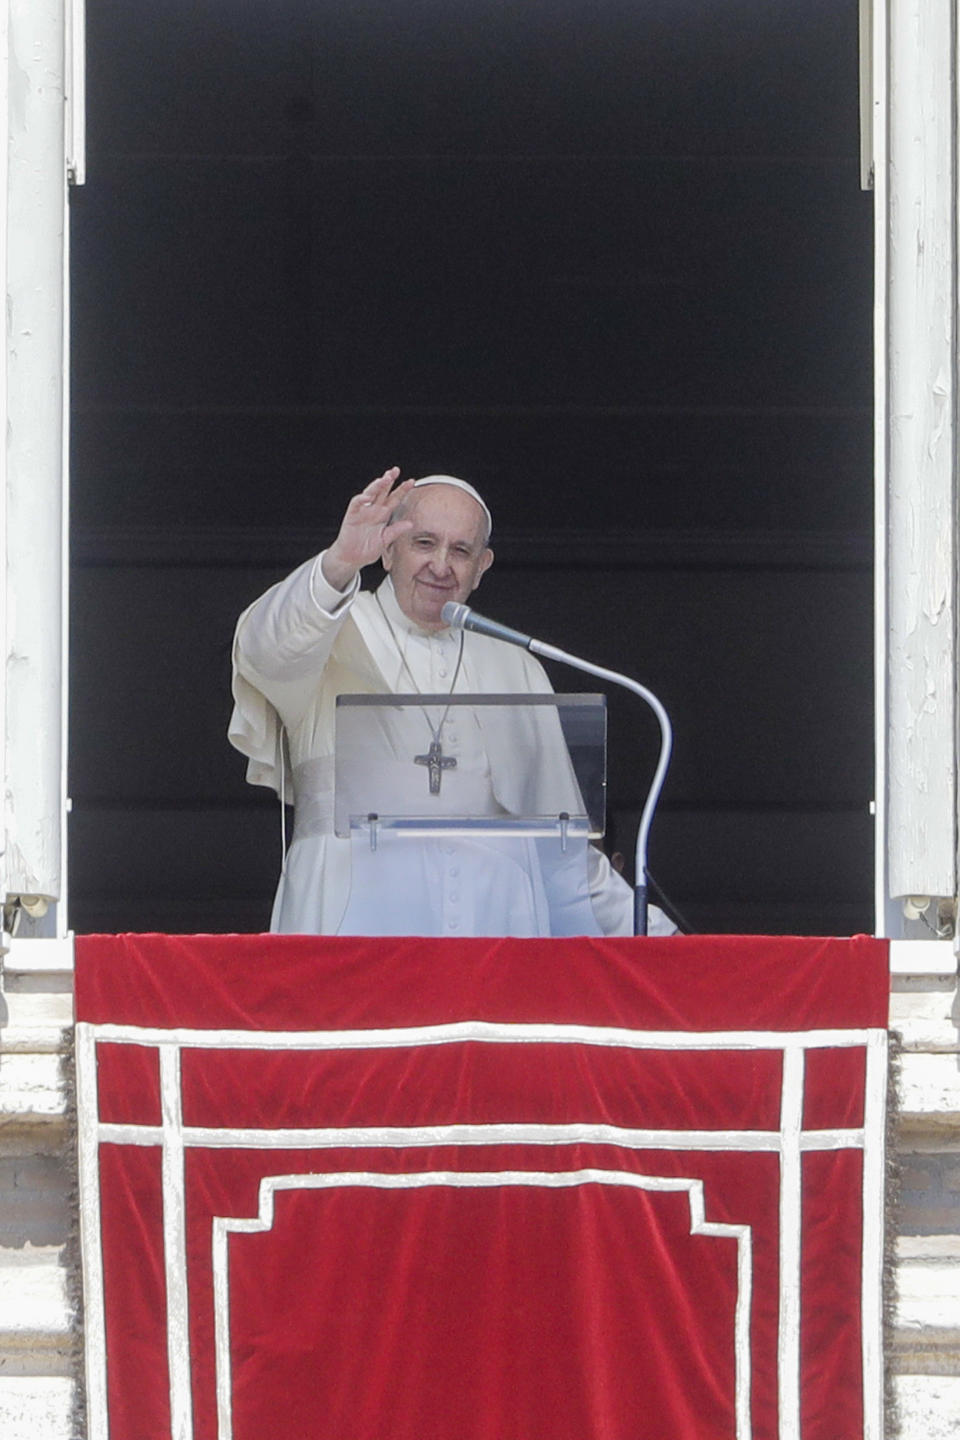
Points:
(916, 246)
(33, 498)
(18, 88)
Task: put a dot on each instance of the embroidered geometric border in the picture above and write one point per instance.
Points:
(173, 1139)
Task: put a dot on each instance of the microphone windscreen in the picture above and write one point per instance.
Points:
(455, 614)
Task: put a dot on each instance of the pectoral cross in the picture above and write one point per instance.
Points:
(436, 762)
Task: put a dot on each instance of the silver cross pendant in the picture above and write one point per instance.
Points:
(436, 762)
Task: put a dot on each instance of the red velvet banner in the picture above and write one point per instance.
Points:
(483, 1190)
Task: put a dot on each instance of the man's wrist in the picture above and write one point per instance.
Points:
(331, 598)
(338, 575)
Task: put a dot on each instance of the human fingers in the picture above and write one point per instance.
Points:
(395, 528)
(399, 491)
(381, 503)
(370, 500)
(375, 501)
(382, 483)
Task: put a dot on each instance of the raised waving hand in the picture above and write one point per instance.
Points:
(366, 529)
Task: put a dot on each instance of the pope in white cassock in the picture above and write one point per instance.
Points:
(315, 636)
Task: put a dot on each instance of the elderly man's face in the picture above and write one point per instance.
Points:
(441, 558)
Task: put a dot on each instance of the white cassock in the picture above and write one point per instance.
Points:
(300, 646)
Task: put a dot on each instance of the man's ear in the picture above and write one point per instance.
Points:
(386, 558)
(486, 560)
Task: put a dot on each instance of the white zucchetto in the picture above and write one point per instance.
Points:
(463, 485)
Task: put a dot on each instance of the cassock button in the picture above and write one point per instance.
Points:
(452, 924)
(454, 871)
(454, 896)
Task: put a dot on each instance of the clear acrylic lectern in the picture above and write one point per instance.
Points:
(470, 814)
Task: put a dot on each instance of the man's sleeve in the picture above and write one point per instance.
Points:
(281, 645)
(612, 900)
(289, 632)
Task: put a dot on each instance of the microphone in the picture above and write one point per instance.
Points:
(461, 617)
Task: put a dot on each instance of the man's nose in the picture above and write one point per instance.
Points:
(440, 562)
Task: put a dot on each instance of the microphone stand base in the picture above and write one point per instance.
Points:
(640, 910)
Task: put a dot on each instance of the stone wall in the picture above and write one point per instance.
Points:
(39, 1347)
